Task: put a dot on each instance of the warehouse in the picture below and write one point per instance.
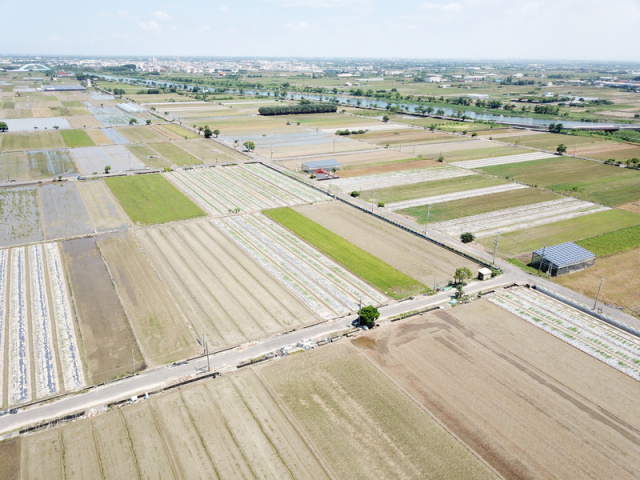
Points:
(562, 259)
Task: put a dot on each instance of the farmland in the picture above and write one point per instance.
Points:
(42, 351)
(20, 220)
(13, 166)
(150, 199)
(92, 160)
(141, 134)
(107, 343)
(175, 154)
(76, 138)
(178, 131)
(148, 157)
(99, 137)
(31, 141)
(210, 152)
(50, 163)
(115, 136)
(104, 210)
(503, 160)
(221, 291)
(368, 267)
(248, 187)
(506, 399)
(63, 211)
(613, 242)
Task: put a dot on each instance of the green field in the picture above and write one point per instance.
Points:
(428, 189)
(76, 138)
(587, 180)
(181, 132)
(526, 241)
(466, 207)
(150, 199)
(31, 141)
(148, 156)
(378, 273)
(613, 242)
(550, 141)
(141, 134)
(175, 154)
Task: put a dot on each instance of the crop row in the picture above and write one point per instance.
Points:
(595, 338)
(488, 162)
(323, 285)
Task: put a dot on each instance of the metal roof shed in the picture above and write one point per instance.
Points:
(562, 259)
(328, 165)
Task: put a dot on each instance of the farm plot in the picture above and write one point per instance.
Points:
(43, 356)
(141, 134)
(409, 254)
(106, 338)
(63, 211)
(31, 141)
(175, 154)
(13, 166)
(119, 120)
(210, 152)
(31, 124)
(175, 132)
(50, 163)
(149, 157)
(157, 321)
(360, 423)
(85, 121)
(76, 138)
(448, 197)
(349, 159)
(115, 136)
(507, 159)
(20, 220)
(248, 187)
(92, 160)
(322, 284)
(402, 177)
(508, 411)
(104, 210)
(610, 345)
(98, 136)
(518, 218)
(220, 290)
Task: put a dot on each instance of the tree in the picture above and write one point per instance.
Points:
(133, 121)
(249, 145)
(562, 148)
(355, 194)
(474, 134)
(207, 132)
(467, 237)
(462, 274)
(368, 316)
(148, 122)
(4, 127)
(216, 132)
(385, 118)
(107, 168)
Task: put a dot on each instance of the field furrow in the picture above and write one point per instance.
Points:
(3, 302)
(205, 197)
(487, 162)
(19, 363)
(261, 196)
(282, 182)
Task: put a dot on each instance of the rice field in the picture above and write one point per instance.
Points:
(76, 138)
(175, 154)
(247, 187)
(20, 217)
(13, 166)
(93, 160)
(50, 163)
(141, 134)
(42, 357)
(31, 141)
(63, 211)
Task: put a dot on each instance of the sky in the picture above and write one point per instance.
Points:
(596, 30)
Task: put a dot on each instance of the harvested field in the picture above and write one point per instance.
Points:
(112, 441)
(81, 459)
(458, 150)
(211, 152)
(85, 121)
(104, 210)
(360, 423)
(506, 410)
(406, 136)
(324, 286)
(157, 321)
(141, 134)
(63, 211)
(42, 353)
(518, 218)
(549, 141)
(31, 141)
(349, 159)
(106, 338)
(507, 159)
(42, 456)
(448, 197)
(417, 258)
(20, 220)
(76, 138)
(524, 241)
(220, 290)
(13, 166)
(10, 454)
(404, 164)
(150, 199)
(401, 177)
(175, 154)
(175, 132)
(99, 137)
(248, 187)
(584, 179)
(50, 163)
(115, 136)
(619, 288)
(92, 160)
(148, 157)
(605, 151)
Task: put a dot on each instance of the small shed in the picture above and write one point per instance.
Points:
(562, 259)
(484, 273)
(327, 165)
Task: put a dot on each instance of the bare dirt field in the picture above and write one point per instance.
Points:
(515, 415)
(63, 211)
(104, 210)
(619, 288)
(605, 151)
(389, 167)
(404, 136)
(411, 255)
(85, 121)
(106, 337)
(159, 325)
(99, 137)
(360, 423)
(220, 290)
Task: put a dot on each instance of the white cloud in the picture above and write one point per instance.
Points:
(442, 7)
(344, 4)
(224, 8)
(149, 26)
(161, 16)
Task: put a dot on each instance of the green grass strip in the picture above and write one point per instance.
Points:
(150, 199)
(76, 138)
(613, 242)
(373, 270)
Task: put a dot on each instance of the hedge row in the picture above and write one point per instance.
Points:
(293, 109)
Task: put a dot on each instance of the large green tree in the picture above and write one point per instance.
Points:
(3, 127)
(368, 316)
(462, 274)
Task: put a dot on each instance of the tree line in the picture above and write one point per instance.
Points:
(297, 109)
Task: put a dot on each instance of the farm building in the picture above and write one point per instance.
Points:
(327, 165)
(63, 88)
(562, 259)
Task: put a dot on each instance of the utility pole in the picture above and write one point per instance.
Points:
(495, 248)
(133, 362)
(434, 282)
(428, 213)
(542, 260)
(598, 294)
(206, 346)
(373, 191)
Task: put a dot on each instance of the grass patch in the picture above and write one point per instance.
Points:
(175, 154)
(378, 273)
(150, 199)
(141, 134)
(182, 132)
(31, 141)
(466, 207)
(549, 141)
(513, 244)
(148, 156)
(76, 138)
(523, 266)
(613, 242)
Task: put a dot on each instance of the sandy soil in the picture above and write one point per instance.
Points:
(411, 255)
(514, 414)
(631, 207)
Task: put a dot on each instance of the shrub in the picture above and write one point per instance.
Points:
(467, 237)
(381, 204)
(355, 194)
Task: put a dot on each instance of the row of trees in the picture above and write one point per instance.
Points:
(297, 109)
